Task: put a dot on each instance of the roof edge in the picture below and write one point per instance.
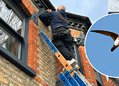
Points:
(79, 17)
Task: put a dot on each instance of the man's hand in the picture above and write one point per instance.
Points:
(49, 10)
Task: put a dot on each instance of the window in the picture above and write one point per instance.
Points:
(14, 35)
(9, 42)
(6, 39)
(9, 16)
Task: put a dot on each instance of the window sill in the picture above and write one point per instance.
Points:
(24, 67)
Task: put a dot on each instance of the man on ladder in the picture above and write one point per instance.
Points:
(61, 34)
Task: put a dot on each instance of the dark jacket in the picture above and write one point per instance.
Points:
(55, 19)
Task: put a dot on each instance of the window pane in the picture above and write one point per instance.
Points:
(11, 18)
(9, 42)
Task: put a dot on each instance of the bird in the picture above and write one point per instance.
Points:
(113, 35)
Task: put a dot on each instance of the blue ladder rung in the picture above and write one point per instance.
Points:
(71, 79)
(64, 80)
(78, 79)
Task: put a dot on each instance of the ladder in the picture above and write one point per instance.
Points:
(70, 76)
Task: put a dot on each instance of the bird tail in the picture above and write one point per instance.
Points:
(113, 48)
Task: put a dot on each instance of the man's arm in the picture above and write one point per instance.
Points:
(45, 15)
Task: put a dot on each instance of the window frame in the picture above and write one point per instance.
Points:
(22, 62)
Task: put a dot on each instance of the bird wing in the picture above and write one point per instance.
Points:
(108, 33)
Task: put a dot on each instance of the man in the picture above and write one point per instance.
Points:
(60, 31)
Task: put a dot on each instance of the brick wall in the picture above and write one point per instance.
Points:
(104, 80)
(10, 75)
(111, 83)
(88, 70)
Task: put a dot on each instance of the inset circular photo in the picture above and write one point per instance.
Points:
(102, 45)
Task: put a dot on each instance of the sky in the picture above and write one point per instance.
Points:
(98, 46)
(94, 9)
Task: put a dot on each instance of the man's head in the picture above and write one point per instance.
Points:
(61, 7)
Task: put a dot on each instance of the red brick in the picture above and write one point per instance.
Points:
(27, 3)
(85, 65)
(91, 81)
(45, 84)
(33, 49)
(112, 84)
(41, 81)
(31, 53)
(33, 42)
(32, 11)
(33, 27)
(81, 49)
(29, 14)
(30, 59)
(83, 58)
(110, 81)
(57, 61)
(58, 72)
(57, 78)
(21, 4)
(34, 56)
(32, 38)
(24, 8)
(37, 78)
(34, 68)
(30, 63)
(104, 80)
(31, 8)
(31, 22)
(88, 74)
(60, 69)
(33, 45)
(58, 66)
(28, 6)
(32, 32)
(83, 55)
(88, 69)
(24, 1)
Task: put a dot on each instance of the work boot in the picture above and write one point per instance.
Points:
(76, 67)
(74, 64)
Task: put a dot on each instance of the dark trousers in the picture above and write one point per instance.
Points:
(64, 45)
